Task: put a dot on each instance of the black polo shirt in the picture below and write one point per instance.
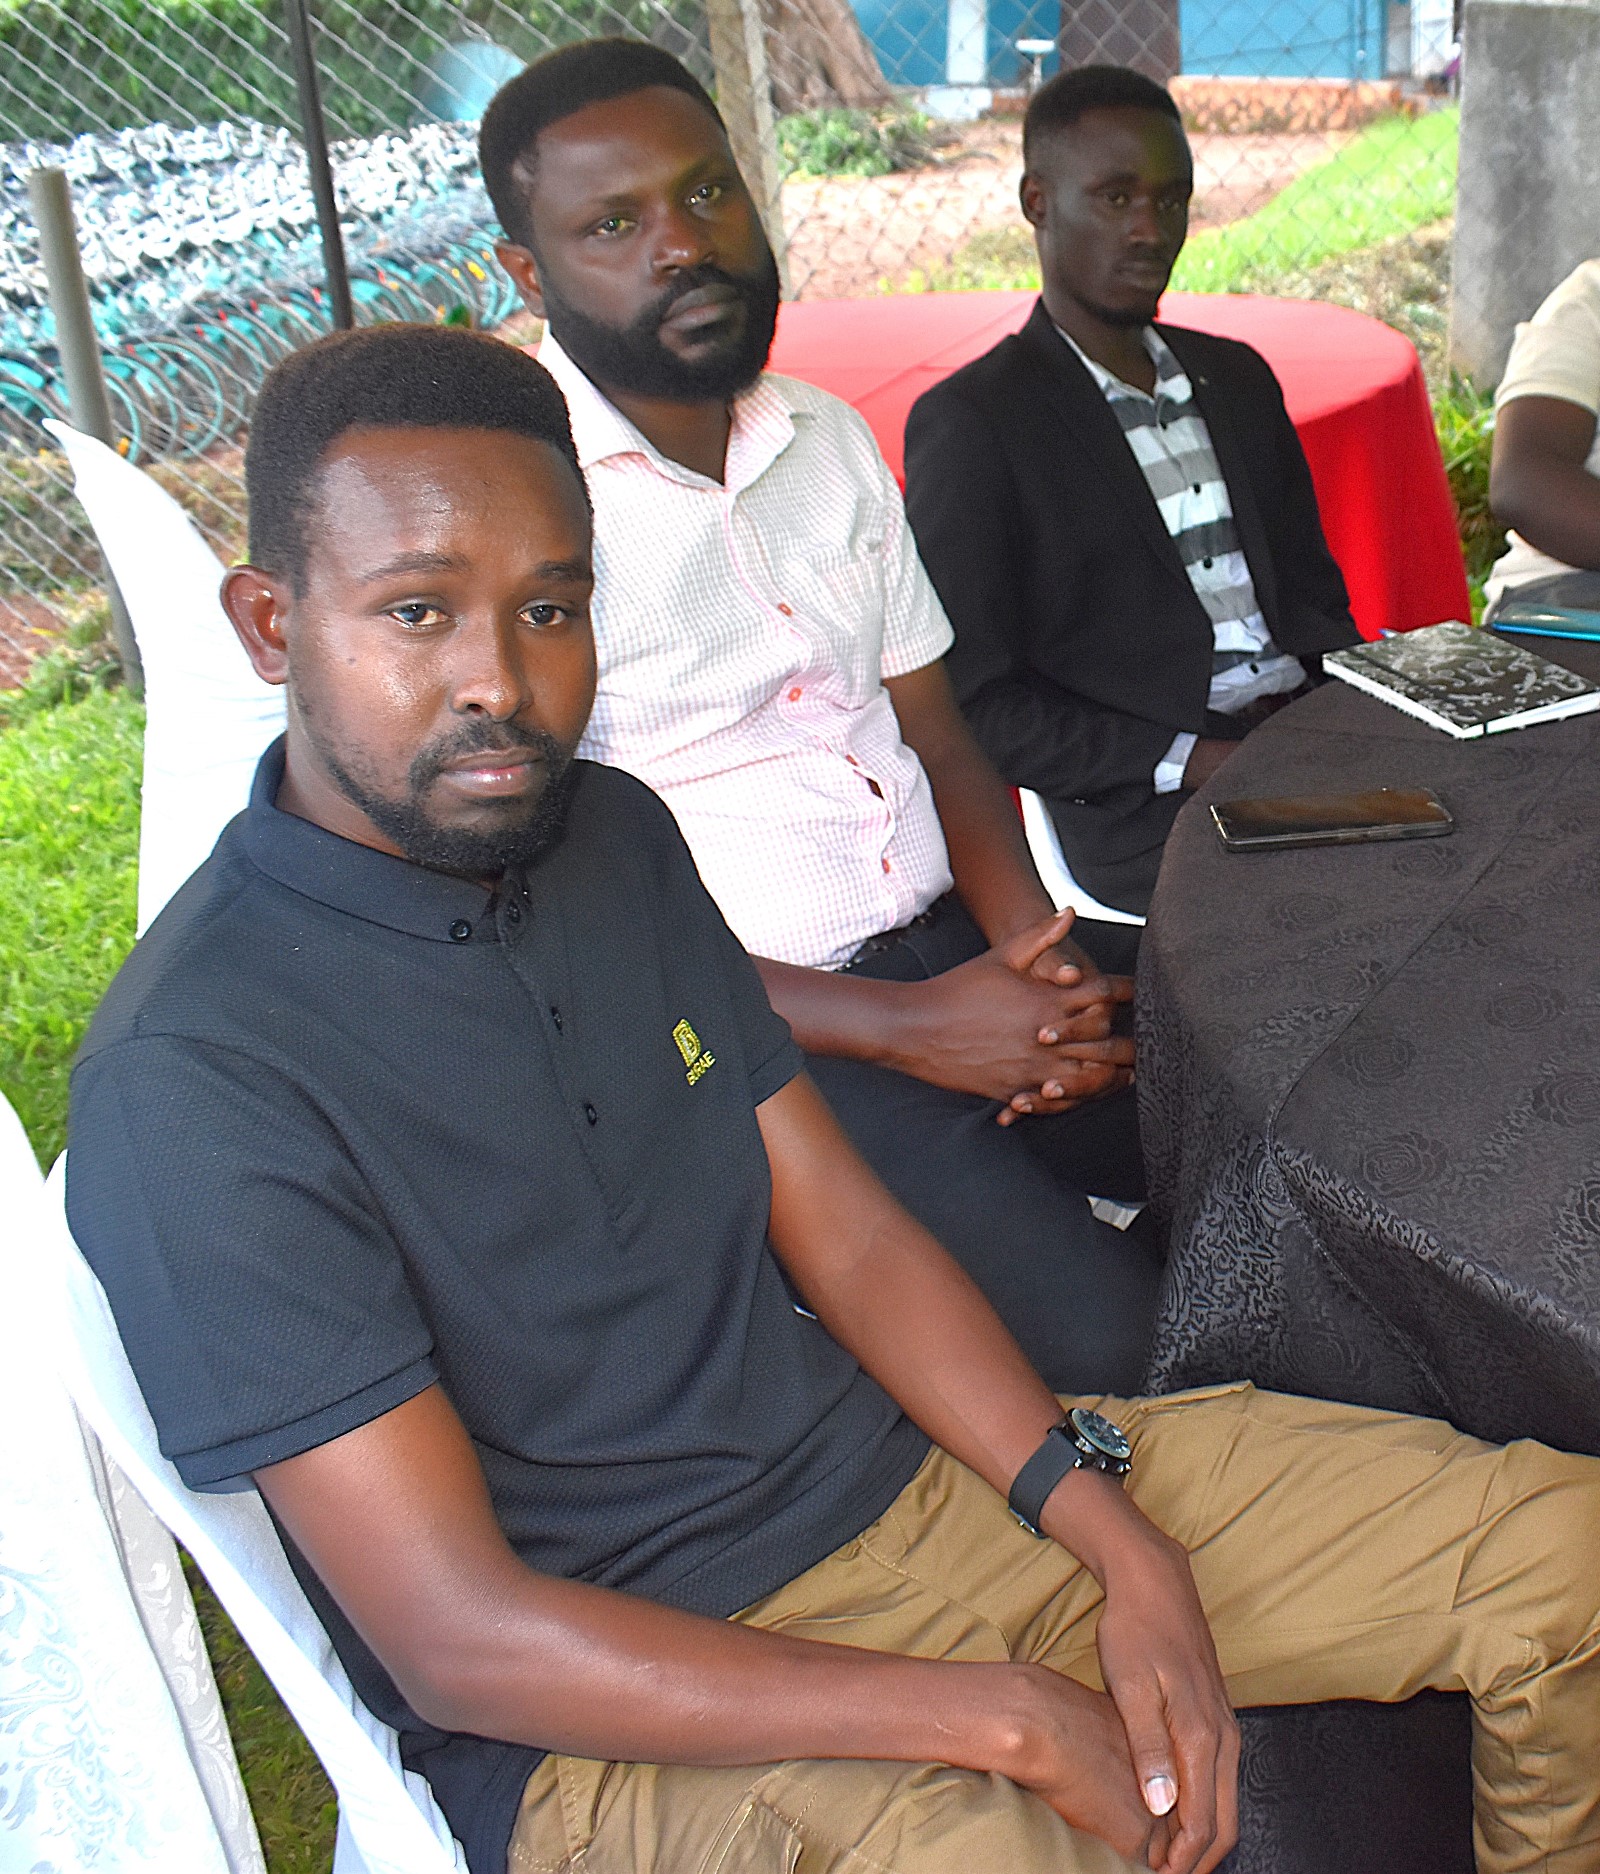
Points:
(344, 1127)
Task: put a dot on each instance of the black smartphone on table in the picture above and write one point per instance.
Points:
(1272, 822)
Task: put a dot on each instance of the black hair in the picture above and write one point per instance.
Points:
(567, 80)
(387, 377)
(1062, 100)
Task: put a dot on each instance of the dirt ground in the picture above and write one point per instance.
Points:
(852, 235)
(27, 628)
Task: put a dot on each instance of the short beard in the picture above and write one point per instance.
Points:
(465, 852)
(632, 358)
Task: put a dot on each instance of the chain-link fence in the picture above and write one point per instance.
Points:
(884, 141)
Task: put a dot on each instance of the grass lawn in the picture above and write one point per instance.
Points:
(69, 838)
(1397, 175)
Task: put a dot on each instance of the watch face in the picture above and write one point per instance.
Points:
(1101, 1433)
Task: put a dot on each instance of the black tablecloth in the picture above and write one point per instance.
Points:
(1370, 1081)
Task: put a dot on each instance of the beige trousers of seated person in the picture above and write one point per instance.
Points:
(1340, 1553)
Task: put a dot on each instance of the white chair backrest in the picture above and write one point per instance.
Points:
(113, 1747)
(389, 1821)
(1051, 865)
(208, 715)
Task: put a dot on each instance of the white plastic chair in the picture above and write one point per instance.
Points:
(389, 1822)
(1053, 869)
(208, 719)
(208, 715)
(114, 1752)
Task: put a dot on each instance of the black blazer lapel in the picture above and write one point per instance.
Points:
(1077, 398)
(1221, 413)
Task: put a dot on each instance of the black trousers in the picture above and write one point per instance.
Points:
(1010, 1203)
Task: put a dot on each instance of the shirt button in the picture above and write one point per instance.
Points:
(555, 1016)
(590, 1114)
(514, 913)
(795, 695)
(460, 931)
(887, 867)
(852, 761)
(1197, 488)
(787, 610)
(1206, 562)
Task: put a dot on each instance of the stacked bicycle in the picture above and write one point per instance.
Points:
(202, 258)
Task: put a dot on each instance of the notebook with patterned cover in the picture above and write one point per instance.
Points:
(1463, 680)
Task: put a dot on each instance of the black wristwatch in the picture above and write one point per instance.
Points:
(1084, 1441)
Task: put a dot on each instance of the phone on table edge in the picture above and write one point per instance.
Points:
(1270, 823)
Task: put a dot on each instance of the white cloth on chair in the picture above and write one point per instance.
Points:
(208, 715)
(113, 1749)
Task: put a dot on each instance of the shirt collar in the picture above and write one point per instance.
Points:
(763, 425)
(356, 879)
(1168, 370)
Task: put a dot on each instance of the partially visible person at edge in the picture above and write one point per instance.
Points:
(1544, 475)
(770, 663)
(1117, 513)
(440, 1153)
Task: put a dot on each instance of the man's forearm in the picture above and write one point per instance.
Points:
(478, 1642)
(1539, 480)
(941, 1352)
(597, 1674)
(1555, 506)
(989, 857)
(853, 1018)
(993, 870)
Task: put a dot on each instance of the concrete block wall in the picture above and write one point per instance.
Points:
(1528, 201)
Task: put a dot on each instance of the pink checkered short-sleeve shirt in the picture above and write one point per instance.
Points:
(744, 631)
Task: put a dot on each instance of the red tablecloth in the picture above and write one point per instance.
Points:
(1353, 386)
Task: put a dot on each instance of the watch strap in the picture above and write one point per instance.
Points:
(1058, 1455)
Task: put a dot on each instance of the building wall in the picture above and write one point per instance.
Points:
(1285, 38)
(909, 37)
(1232, 38)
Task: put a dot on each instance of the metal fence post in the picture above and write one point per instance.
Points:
(744, 96)
(315, 134)
(51, 200)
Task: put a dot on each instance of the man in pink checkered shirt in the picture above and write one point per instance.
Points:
(771, 664)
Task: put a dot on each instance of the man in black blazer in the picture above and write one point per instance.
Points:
(1117, 515)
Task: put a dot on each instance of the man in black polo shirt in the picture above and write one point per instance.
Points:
(439, 1152)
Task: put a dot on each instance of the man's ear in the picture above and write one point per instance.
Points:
(256, 603)
(524, 271)
(1031, 192)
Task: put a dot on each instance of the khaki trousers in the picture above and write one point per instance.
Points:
(1340, 1553)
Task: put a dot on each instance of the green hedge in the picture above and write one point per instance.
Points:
(68, 66)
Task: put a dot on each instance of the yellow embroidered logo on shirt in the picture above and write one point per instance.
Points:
(696, 1058)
